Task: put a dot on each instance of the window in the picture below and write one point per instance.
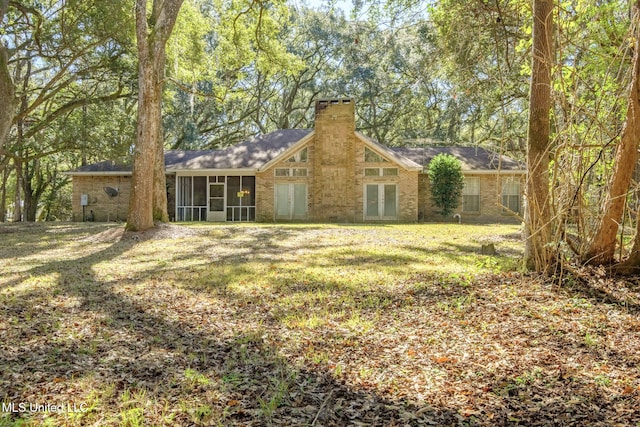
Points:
(291, 201)
(510, 195)
(471, 194)
(380, 171)
(390, 171)
(371, 156)
(300, 156)
(291, 172)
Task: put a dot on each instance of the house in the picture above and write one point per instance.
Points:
(329, 174)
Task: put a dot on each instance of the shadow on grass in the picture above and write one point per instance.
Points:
(142, 364)
(29, 239)
(174, 372)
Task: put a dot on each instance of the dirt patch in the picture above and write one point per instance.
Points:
(160, 231)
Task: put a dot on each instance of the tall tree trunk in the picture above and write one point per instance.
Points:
(17, 208)
(7, 89)
(602, 247)
(160, 183)
(152, 34)
(539, 252)
(3, 190)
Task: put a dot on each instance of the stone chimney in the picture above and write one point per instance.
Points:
(333, 193)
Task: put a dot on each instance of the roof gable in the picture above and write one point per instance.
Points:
(289, 151)
(389, 154)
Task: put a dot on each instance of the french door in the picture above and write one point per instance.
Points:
(381, 202)
(291, 201)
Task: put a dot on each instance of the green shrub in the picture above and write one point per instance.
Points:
(447, 181)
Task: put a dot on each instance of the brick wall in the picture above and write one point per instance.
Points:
(104, 208)
(332, 193)
(335, 172)
(107, 208)
(491, 209)
(407, 182)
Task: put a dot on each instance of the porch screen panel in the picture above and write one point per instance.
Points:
(372, 200)
(299, 201)
(184, 183)
(233, 187)
(390, 208)
(233, 201)
(248, 186)
(249, 200)
(184, 198)
(199, 191)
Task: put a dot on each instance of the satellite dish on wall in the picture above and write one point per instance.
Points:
(111, 192)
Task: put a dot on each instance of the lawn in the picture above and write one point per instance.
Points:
(306, 325)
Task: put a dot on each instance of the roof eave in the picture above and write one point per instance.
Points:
(495, 171)
(211, 171)
(98, 173)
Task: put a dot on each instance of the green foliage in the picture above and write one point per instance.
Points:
(447, 181)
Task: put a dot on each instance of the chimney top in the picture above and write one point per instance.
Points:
(321, 104)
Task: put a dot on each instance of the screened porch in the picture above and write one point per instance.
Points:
(215, 198)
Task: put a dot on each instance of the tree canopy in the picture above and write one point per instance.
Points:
(447, 72)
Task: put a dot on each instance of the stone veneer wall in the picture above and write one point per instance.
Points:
(490, 201)
(104, 208)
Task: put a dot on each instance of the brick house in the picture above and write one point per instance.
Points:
(329, 174)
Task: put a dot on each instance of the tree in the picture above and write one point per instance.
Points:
(148, 185)
(447, 181)
(602, 247)
(7, 89)
(539, 255)
(56, 59)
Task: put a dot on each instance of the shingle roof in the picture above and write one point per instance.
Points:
(257, 152)
(251, 154)
(472, 158)
(104, 167)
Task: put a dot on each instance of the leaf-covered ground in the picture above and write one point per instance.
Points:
(310, 325)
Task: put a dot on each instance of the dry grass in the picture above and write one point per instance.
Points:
(305, 325)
